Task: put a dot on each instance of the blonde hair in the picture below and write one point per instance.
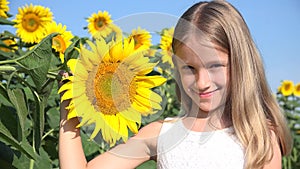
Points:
(250, 106)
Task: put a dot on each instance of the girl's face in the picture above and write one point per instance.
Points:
(204, 74)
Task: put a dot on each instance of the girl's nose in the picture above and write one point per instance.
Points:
(203, 80)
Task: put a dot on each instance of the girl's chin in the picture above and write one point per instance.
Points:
(206, 109)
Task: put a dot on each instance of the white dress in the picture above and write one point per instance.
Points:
(180, 148)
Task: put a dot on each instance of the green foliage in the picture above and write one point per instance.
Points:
(27, 92)
(291, 107)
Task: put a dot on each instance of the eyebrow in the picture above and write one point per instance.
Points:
(219, 60)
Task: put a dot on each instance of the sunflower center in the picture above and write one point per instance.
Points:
(297, 88)
(30, 22)
(59, 44)
(99, 23)
(288, 87)
(137, 42)
(114, 88)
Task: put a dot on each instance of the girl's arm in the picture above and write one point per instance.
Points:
(129, 155)
(70, 150)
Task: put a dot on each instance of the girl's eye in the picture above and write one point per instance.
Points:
(216, 65)
(188, 69)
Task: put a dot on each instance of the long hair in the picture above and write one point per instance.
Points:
(250, 106)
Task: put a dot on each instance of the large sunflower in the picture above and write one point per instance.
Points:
(99, 24)
(111, 87)
(31, 21)
(141, 38)
(166, 45)
(61, 41)
(4, 8)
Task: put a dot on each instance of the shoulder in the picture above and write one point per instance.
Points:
(151, 130)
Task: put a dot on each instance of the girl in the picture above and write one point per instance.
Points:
(231, 120)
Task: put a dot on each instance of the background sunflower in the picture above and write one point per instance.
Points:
(31, 21)
(61, 41)
(141, 38)
(4, 8)
(99, 24)
(166, 45)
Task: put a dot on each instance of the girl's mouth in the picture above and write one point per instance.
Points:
(206, 94)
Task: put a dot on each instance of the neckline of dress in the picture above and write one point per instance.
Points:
(223, 130)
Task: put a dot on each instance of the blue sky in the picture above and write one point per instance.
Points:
(274, 25)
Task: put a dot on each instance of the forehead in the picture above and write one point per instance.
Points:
(193, 51)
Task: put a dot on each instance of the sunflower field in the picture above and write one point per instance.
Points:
(33, 58)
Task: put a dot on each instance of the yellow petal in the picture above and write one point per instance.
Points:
(133, 126)
(102, 50)
(147, 93)
(72, 64)
(144, 69)
(132, 57)
(131, 115)
(79, 100)
(71, 114)
(98, 126)
(66, 96)
(123, 131)
(151, 80)
(85, 56)
(92, 46)
(128, 47)
(116, 52)
(80, 71)
(140, 64)
(140, 108)
(65, 86)
(83, 107)
(147, 102)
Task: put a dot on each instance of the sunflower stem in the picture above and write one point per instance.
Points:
(31, 164)
(7, 68)
(49, 132)
(7, 62)
(53, 75)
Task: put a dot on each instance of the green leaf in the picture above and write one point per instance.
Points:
(4, 21)
(46, 89)
(4, 99)
(6, 156)
(41, 162)
(53, 117)
(8, 139)
(147, 165)
(9, 119)
(39, 113)
(37, 61)
(38, 121)
(90, 147)
(71, 51)
(18, 99)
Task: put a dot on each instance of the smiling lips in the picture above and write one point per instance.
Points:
(205, 95)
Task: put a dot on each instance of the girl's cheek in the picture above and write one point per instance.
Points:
(220, 77)
(188, 80)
